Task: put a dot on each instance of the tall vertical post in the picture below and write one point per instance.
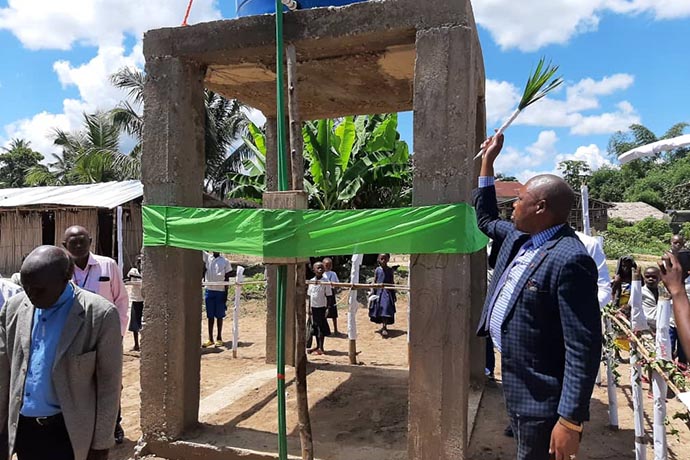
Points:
(172, 173)
(282, 269)
(446, 92)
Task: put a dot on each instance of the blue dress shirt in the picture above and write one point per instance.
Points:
(40, 399)
(512, 274)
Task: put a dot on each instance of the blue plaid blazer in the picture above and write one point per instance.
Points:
(551, 333)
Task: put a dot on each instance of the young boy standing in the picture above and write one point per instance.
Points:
(217, 270)
(137, 300)
(332, 310)
(317, 294)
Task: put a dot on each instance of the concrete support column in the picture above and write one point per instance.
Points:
(441, 296)
(172, 173)
(479, 259)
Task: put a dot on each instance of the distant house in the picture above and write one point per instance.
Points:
(635, 212)
(506, 193)
(32, 216)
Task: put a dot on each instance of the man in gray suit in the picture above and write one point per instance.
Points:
(60, 365)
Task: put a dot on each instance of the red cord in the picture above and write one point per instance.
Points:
(186, 15)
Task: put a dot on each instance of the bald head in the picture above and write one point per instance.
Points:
(77, 241)
(45, 273)
(558, 195)
(543, 202)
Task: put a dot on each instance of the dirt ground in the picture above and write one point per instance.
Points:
(357, 412)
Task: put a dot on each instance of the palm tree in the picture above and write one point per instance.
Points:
(88, 156)
(226, 123)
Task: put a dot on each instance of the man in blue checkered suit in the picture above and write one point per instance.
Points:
(541, 312)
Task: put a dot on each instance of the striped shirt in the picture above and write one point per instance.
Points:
(512, 274)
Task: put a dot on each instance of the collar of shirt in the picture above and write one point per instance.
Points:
(542, 237)
(67, 297)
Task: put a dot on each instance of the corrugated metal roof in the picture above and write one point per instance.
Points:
(105, 195)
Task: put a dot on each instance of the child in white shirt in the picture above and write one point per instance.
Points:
(317, 295)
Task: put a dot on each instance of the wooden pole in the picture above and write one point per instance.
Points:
(297, 170)
(353, 305)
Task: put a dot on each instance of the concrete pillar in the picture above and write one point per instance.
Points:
(479, 259)
(172, 173)
(445, 104)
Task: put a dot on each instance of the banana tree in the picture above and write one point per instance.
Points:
(354, 162)
(345, 155)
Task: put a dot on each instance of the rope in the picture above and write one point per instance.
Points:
(186, 15)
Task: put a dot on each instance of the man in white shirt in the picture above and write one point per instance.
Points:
(134, 280)
(595, 250)
(217, 270)
(99, 275)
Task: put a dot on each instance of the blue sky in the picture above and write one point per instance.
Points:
(623, 61)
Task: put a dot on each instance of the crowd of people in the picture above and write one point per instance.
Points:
(62, 322)
(64, 316)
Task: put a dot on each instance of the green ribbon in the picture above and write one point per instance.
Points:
(441, 229)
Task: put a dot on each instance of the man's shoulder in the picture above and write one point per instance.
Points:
(103, 260)
(93, 302)
(16, 301)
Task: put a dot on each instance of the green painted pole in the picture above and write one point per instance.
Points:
(282, 270)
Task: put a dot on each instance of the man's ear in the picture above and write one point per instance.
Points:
(541, 206)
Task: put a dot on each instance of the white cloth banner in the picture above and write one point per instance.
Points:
(638, 406)
(236, 310)
(638, 320)
(353, 305)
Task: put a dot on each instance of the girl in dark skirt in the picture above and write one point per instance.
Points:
(332, 308)
(382, 307)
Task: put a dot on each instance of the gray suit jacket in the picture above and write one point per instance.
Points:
(87, 373)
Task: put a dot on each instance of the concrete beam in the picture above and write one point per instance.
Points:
(341, 54)
(446, 95)
(172, 173)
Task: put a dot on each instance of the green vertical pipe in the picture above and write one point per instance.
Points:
(282, 270)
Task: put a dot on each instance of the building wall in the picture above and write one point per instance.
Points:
(20, 233)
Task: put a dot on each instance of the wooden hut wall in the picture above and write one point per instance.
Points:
(65, 218)
(20, 233)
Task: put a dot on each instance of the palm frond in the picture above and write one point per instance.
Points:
(132, 80)
(540, 83)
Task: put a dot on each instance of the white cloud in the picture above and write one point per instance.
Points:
(542, 157)
(50, 24)
(608, 122)
(590, 154)
(546, 22)
(501, 99)
(534, 155)
(585, 95)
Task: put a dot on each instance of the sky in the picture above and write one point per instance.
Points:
(623, 62)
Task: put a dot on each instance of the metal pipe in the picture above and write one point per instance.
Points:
(282, 270)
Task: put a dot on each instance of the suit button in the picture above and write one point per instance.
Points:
(504, 331)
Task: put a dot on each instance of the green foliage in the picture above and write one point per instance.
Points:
(649, 236)
(575, 172)
(354, 162)
(540, 83)
(15, 161)
(663, 182)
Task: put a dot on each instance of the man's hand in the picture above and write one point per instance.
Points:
(564, 443)
(672, 273)
(97, 454)
(491, 147)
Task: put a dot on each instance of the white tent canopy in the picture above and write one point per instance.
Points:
(655, 148)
